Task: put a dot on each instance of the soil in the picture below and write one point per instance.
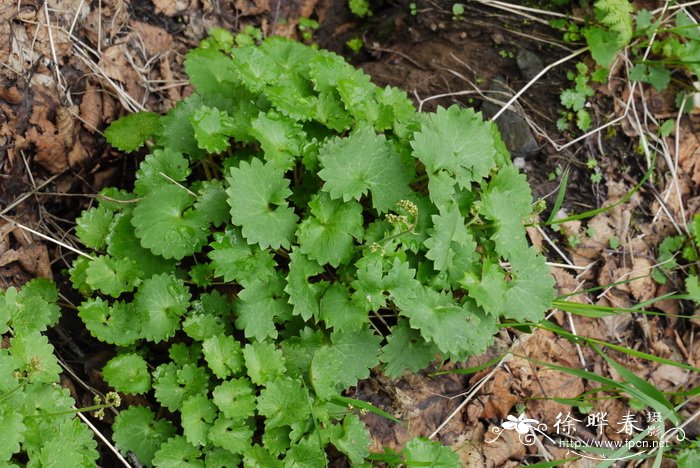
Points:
(58, 92)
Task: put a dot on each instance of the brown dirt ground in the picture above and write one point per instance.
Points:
(61, 86)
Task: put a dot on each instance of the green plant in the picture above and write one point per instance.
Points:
(457, 12)
(615, 28)
(355, 44)
(360, 8)
(413, 8)
(293, 227)
(576, 100)
(37, 418)
(307, 26)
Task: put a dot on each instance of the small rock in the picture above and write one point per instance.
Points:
(514, 129)
(529, 63)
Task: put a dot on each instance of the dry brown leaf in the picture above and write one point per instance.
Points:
(11, 95)
(689, 153)
(171, 7)
(566, 284)
(497, 396)
(156, 40)
(91, 108)
(291, 11)
(34, 258)
(507, 447)
(252, 7)
(539, 381)
(667, 377)
(643, 287)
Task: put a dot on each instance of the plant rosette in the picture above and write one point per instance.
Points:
(292, 228)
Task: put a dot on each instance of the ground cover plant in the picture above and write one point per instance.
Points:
(216, 307)
(657, 44)
(292, 227)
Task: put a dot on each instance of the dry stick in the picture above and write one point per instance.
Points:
(103, 438)
(45, 237)
(534, 80)
(29, 194)
(473, 392)
(516, 8)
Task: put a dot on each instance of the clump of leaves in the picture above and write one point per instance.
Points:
(37, 416)
(293, 227)
(616, 27)
(360, 8)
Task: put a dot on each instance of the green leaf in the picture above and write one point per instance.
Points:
(253, 67)
(458, 141)
(617, 16)
(263, 361)
(361, 163)
(200, 326)
(692, 285)
(304, 295)
(174, 384)
(112, 276)
(128, 373)
(235, 260)
(32, 309)
(507, 201)
(231, 435)
(160, 302)
(572, 99)
(177, 133)
(129, 133)
(253, 189)
(340, 312)
(489, 290)
(531, 292)
(374, 285)
(223, 354)
(306, 453)
(450, 246)
(258, 457)
(210, 72)
(235, 398)
(197, 415)
(212, 129)
(114, 325)
(342, 363)
(122, 243)
(92, 227)
(34, 357)
(160, 168)
(13, 427)
(351, 438)
(136, 430)
(259, 306)
(284, 402)
(211, 202)
(604, 45)
(178, 453)
(406, 350)
(656, 75)
(220, 458)
(327, 236)
(423, 452)
(281, 138)
(454, 328)
(167, 225)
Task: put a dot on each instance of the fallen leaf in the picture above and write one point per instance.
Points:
(252, 7)
(156, 40)
(91, 108)
(171, 7)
